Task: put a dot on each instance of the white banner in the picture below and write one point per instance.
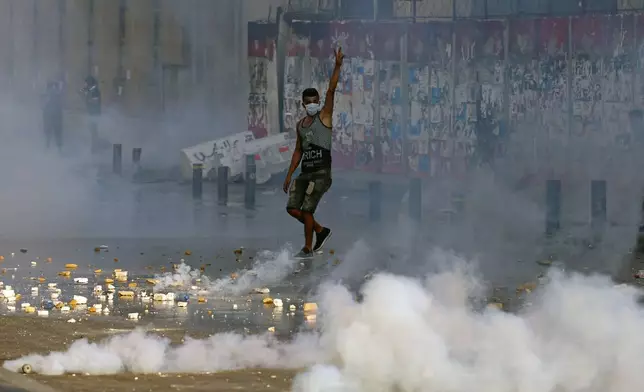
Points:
(272, 155)
(227, 151)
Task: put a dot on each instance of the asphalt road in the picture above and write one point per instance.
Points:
(7, 388)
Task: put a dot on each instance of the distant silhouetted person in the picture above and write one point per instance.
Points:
(93, 104)
(53, 115)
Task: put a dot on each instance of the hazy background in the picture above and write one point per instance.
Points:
(188, 83)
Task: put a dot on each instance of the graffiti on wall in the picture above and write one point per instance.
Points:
(617, 79)
(552, 77)
(587, 65)
(524, 90)
(564, 79)
(261, 54)
(429, 57)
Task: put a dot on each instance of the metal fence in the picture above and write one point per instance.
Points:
(458, 9)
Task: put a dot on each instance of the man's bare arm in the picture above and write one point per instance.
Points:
(296, 158)
(327, 111)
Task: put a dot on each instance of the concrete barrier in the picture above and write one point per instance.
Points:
(272, 156)
(226, 151)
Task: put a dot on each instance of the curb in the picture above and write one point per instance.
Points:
(23, 382)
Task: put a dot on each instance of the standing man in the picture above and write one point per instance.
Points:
(53, 116)
(313, 149)
(93, 104)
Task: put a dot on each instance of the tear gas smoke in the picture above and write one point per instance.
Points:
(268, 268)
(579, 333)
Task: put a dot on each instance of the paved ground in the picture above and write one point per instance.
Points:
(22, 335)
(149, 226)
(9, 388)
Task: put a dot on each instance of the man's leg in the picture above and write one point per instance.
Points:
(296, 195)
(93, 131)
(308, 230)
(297, 214)
(310, 204)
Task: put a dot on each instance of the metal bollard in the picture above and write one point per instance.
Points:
(249, 179)
(553, 206)
(458, 203)
(136, 160)
(415, 197)
(197, 180)
(222, 185)
(136, 155)
(375, 200)
(597, 204)
(117, 156)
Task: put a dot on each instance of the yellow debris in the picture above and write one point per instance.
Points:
(30, 309)
(59, 305)
(18, 296)
(495, 305)
(98, 271)
(151, 281)
(108, 280)
(187, 253)
(268, 301)
(71, 266)
(527, 287)
(92, 310)
(65, 274)
(310, 307)
(41, 280)
(73, 303)
(126, 293)
(271, 329)
(131, 285)
(201, 299)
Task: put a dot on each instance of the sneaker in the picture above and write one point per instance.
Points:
(321, 238)
(304, 254)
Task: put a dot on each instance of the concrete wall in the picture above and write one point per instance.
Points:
(539, 98)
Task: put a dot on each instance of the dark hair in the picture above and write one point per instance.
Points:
(310, 93)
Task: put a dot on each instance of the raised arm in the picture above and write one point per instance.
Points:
(326, 116)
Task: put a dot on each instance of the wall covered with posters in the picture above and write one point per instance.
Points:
(262, 69)
(435, 98)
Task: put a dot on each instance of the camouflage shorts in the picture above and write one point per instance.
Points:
(307, 190)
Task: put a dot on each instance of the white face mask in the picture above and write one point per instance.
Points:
(312, 109)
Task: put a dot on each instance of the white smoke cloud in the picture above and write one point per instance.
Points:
(268, 268)
(140, 352)
(579, 334)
